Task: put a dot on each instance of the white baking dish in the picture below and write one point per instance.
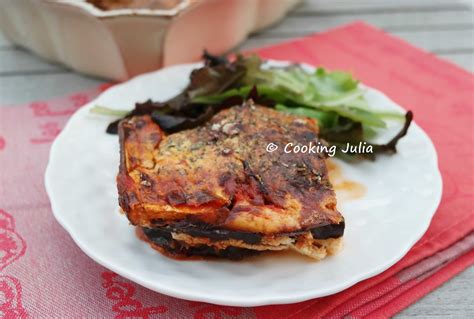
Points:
(119, 44)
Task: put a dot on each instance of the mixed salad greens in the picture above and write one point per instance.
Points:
(335, 99)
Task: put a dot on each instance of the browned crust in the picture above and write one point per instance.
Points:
(221, 174)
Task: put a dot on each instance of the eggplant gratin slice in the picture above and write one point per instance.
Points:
(214, 190)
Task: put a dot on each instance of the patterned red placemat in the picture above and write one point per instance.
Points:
(44, 274)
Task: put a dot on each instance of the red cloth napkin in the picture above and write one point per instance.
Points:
(44, 274)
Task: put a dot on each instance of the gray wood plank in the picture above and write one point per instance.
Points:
(19, 61)
(258, 41)
(25, 88)
(430, 40)
(454, 299)
(337, 6)
(464, 60)
(4, 43)
(446, 19)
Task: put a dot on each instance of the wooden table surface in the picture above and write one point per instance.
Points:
(444, 27)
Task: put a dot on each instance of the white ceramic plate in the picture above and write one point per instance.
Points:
(403, 192)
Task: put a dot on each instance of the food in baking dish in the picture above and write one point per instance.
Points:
(134, 4)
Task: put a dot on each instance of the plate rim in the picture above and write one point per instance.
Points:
(222, 299)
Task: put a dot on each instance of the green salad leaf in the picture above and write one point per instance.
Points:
(323, 91)
(334, 98)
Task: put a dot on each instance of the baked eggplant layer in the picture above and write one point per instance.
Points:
(180, 244)
(215, 233)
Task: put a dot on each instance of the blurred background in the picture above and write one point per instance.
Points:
(443, 27)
